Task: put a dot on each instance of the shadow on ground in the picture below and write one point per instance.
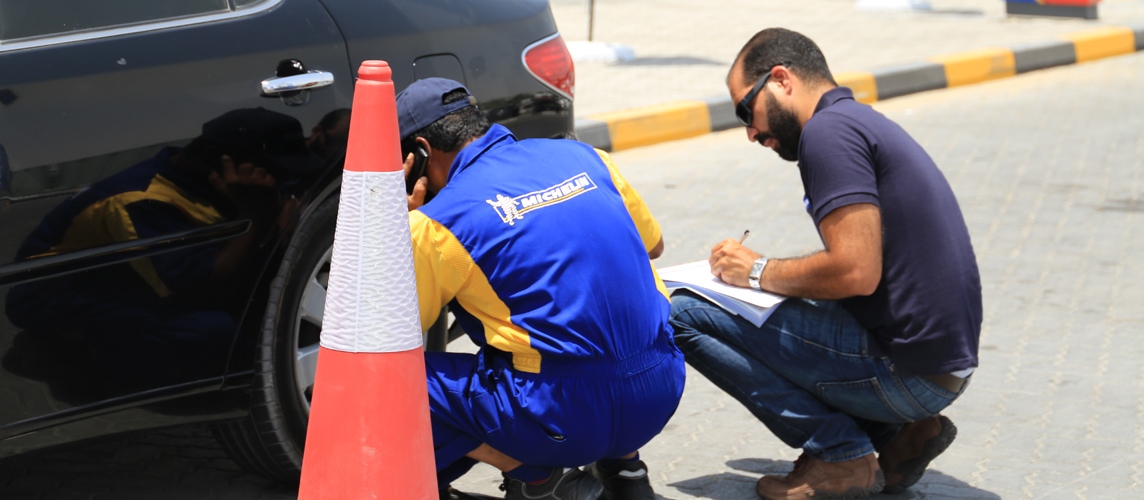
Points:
(735, 486)
(183, 463)
(670, 61)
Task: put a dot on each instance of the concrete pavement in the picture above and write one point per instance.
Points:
(1049, 170)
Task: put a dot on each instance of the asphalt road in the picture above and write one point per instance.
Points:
(1049, 169)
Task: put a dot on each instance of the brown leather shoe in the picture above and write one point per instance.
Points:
(905, 459)
(852, 479)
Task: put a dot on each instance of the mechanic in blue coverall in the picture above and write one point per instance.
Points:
(541, 249)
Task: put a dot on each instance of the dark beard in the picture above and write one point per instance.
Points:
(784, 128)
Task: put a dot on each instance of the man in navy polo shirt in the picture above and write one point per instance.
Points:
(885, 334)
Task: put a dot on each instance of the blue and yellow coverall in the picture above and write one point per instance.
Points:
(541, 248)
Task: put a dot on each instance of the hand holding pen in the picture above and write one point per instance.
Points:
(731, 261)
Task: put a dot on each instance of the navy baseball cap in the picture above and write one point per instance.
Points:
(422, 103)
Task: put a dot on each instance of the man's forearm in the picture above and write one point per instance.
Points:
(814, 276)
(850, 266)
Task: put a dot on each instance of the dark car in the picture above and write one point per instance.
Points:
(169, 173)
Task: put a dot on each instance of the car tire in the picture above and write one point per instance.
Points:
(270, 440)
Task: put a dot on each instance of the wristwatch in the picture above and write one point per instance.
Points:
(757, 273)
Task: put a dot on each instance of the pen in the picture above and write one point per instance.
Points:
(744, 237)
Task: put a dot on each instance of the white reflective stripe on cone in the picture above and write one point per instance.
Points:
(372, 305)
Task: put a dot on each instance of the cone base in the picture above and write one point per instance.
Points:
(369, 434)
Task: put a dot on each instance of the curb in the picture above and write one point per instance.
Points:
(618, 130)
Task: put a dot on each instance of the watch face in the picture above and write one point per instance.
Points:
(757, 268)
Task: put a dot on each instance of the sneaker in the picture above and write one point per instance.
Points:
(563, 484)
(905, 459)
(626, 481)
(852, 479)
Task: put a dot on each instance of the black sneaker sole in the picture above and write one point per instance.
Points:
(575, 484)
(913, 470)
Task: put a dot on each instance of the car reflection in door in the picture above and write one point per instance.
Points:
(148, 322)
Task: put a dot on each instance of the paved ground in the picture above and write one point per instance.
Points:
(1048, 167)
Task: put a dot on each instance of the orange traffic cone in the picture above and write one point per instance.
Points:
(369, 435)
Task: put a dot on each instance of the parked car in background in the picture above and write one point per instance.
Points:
(147, 281)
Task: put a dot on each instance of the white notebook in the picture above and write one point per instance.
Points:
(753, 305)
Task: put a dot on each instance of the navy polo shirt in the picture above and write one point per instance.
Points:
(926, 312)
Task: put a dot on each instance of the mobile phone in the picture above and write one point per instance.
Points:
(420, 159)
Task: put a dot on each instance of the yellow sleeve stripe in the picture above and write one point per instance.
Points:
(445, 271)
(437, 279)
(646, 224)
(648, 227)
(659, 284)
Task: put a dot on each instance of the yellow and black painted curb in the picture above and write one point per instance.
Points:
(615, 131)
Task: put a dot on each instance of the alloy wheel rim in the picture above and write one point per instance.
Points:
(308, 326)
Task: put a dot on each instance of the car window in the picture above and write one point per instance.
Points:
(34, 18)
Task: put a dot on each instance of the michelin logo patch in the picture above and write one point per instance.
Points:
(511, 210)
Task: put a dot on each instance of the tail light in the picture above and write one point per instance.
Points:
(550, 62)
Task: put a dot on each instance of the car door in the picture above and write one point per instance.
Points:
(112, 235)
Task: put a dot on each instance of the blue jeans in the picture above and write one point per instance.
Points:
(807, 374)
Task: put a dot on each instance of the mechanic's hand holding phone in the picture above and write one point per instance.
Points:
(416, 184)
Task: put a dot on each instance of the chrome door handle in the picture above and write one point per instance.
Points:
(305, 81)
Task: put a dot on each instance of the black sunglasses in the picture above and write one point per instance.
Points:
(743, 110)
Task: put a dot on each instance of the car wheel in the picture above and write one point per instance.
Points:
(270, 441)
